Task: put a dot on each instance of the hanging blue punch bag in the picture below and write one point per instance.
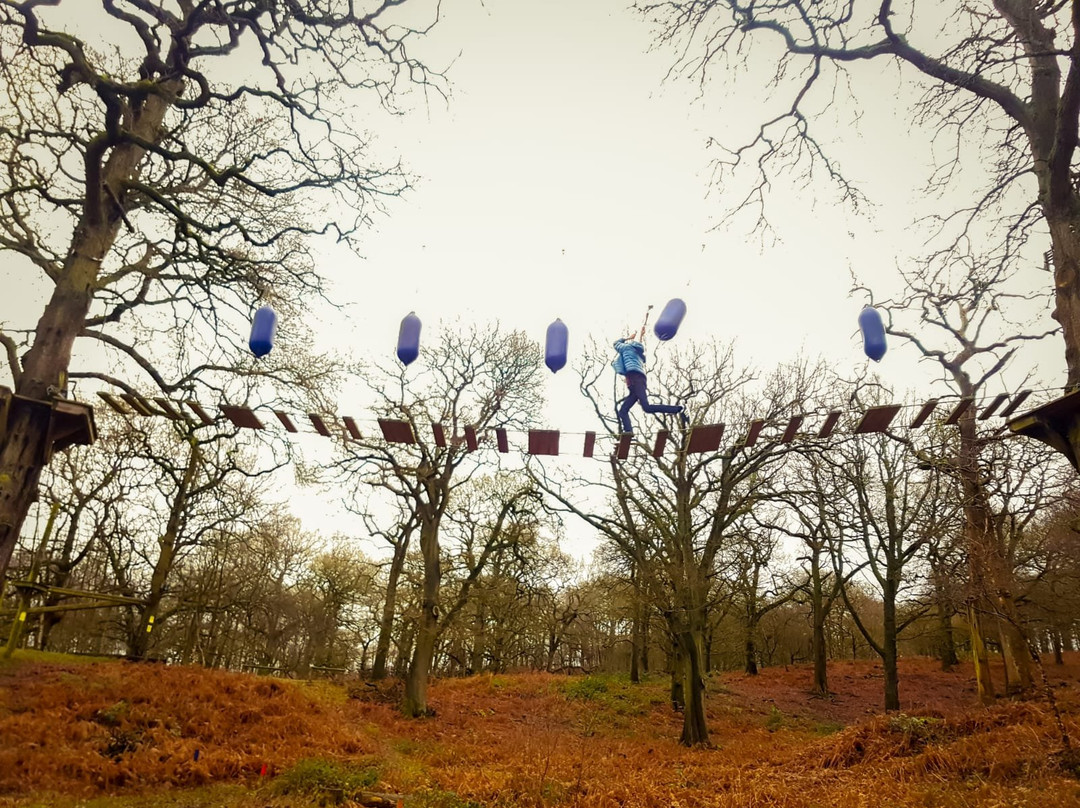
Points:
(558, 337)
(408, 341)
(263, 327)
(873, 333)
(667, 324)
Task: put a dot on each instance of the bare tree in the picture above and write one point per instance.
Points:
(399, 537)
(999, 81)
(90, 487)
(674, 515)
(176, 178)
(806, 500)
(887, 511)
(474, 380)
(751, 556)
(964, 323)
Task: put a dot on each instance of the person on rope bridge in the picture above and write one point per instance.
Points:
(630, 363)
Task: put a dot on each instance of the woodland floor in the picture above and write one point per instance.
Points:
(119, 735)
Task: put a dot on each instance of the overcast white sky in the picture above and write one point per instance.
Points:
(565, 178)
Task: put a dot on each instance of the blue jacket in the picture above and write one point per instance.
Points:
(631, 356)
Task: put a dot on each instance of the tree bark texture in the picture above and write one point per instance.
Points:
(45, 366)
(427, 630)
(386, 621)
(167, 546)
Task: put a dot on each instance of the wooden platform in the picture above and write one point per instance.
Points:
(71, 423)
(1056, 423)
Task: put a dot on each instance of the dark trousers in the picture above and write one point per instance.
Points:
(640, 394)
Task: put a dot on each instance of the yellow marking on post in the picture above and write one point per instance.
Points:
(22, 617)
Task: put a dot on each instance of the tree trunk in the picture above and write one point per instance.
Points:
(476, 652)
(977, 530)
(983, 684)
(191, 636)
(946, 642)
(750, 650)
(20, 471)
(46, 364)
(695, 731)
(888, 658)
(139, 645)
(427, 631)
(818, 616)
(386, 622)
(820, 651)
(645, 642)
(676, 662)
(1015, 647)
(1064, 229)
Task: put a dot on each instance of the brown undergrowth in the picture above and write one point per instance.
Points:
(73, 733)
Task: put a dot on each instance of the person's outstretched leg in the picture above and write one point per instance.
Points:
(643, 397)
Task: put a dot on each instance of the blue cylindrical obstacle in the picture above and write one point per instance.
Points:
(667, 324)
(263, 327)
(558, 337)
(408, 341)
(873, 333)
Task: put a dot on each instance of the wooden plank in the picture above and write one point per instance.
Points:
(755, 430)
(877, 419)
(590, 444)
(470, 438)
(395, 431)
(1021, 397)
(241, 417)
(286, 421)
(115, 403)
(959, 410)
(622, 450)
(202, 415)
(139, 404)
(990, 408)
(792, 429)
(440, 435)
(705, 438)
(830, 424)
(501, 441)
(661, 442)
(543, 441)
(167, 409)
(927, 409)
(319, 423)
(353, 429)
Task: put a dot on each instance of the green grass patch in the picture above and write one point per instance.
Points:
(436, 798)
(321, 690)
(615, 693)
(775, 720)
(216, 796)
(327, 782)
(28, 655)
(824, 728)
